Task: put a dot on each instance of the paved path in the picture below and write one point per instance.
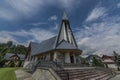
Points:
(22, 75)
(117, 77)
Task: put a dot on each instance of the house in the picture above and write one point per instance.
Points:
(109, 61)
(15, 58)
(61, 48)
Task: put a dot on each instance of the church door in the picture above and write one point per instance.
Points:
(72, 58)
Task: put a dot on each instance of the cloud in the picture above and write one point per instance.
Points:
(118, 5)
(68, 4)
(6, 37)
(41, 34)
(96, 13)
(35, 34)
(100, 38)
(53, 18)
(38, 23)
(24, 6)
(7, 15)
(15, 9)
(56, 26)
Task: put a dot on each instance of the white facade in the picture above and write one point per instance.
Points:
(55, 56)
(67, 58)
(74, 58)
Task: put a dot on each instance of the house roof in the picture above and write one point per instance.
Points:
(48, 45)
(21, 56)
(43, 46)
(108, 57)
(66, 45)
(8, 55)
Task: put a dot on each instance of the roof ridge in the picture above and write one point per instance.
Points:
(65, 16)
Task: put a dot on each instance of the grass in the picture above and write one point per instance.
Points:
(7, 74)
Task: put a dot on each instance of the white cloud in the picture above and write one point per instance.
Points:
(7, 15)
(118, 5)
(100, 38)
(41, 34)
(68, 4)
(56, 26)
(6, 37)
(27, 8)
(24, 6)
(96, 13)
(53, 18)
(38, 23)
(14, 9)
(35, 34)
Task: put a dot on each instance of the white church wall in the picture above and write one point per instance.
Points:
(48, 56)
(74, 58)
(55, 56)
(67, 57)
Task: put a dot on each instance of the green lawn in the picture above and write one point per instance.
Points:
(7, 74)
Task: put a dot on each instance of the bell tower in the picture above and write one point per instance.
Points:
(65, 32)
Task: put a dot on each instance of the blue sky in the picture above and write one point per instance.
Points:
(95, 23)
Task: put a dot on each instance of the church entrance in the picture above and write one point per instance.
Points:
(72, 58)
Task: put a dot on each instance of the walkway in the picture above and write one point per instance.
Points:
(22, 75)
(117, 77)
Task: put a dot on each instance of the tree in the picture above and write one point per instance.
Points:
(2, 54)
(97, 62)
(117, 60)
(9, 47)
(9, 43)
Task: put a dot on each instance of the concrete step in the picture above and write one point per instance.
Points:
(100, 77)
(84, 74)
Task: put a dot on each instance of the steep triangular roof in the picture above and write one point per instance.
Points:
(65, 32)
(66, 45)
(65, 16)
(64, 40)
(44, 46)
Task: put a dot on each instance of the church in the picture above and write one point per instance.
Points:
(58, 59)
(61, 48)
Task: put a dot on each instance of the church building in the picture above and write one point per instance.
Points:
(62, 48)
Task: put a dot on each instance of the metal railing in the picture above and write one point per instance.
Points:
(49, 64)
(75, 65)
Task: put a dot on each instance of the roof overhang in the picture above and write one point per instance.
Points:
(75, 51)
